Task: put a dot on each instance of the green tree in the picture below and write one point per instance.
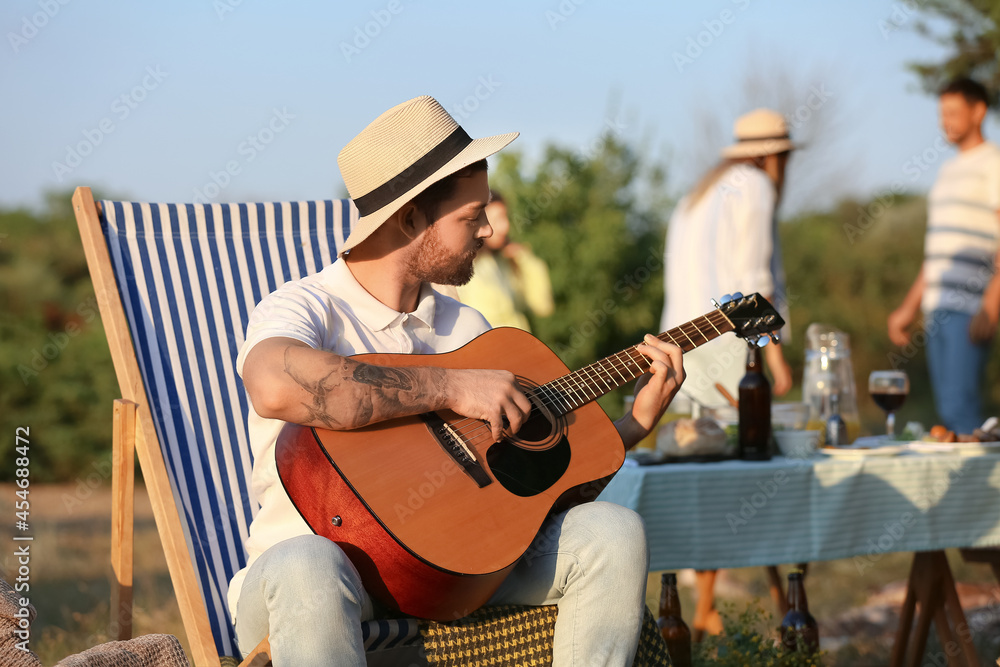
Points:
(597, 216)
(55, 365)
(968, 29)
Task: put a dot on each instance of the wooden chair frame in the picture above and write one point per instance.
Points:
(135, 435)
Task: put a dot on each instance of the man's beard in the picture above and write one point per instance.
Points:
(961, 137)
(430, 263)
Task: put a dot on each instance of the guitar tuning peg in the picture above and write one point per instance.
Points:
(774, 338)
(763, 341)
(715, 303)
(725, 298)
(737, 296)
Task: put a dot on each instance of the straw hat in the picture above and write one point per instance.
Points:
(402, 153)
(760, 132)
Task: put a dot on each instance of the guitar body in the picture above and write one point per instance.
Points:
(431, 512)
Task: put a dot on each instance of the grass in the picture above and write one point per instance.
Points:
(71, 573)
(70, 580)
(835, 588)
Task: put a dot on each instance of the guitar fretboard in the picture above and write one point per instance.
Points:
(569, 392)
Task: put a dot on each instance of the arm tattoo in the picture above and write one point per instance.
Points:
(385, 383)
(383, 378)
(319, 389)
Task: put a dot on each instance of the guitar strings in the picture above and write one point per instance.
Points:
(572, 385)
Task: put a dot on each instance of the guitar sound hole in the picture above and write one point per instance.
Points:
(533, 459)
(542, 428)
(536, 430)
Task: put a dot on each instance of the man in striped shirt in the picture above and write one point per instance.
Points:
(958, 288)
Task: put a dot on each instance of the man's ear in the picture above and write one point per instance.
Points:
(411, 220)
(979, 113)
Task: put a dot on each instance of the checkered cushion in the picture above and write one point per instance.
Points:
(516, 636)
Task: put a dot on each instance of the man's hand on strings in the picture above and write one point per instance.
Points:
(488, 395)
(654, 390)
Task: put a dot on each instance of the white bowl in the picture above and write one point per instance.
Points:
(797, 444)
(789, 415)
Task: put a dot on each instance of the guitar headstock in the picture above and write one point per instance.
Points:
(753, 318)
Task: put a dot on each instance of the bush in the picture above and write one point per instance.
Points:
(55, 365)
(749, 639)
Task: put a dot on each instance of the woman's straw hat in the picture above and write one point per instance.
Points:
(402, 153)
(760, 132)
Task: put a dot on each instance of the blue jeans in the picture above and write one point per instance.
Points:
(591, 561)
(305, 593)
(957, 368)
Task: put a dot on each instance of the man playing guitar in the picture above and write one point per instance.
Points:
(420, 184)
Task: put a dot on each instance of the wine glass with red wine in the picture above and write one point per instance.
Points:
(889, 390)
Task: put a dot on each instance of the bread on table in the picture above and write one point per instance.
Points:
(692, 437)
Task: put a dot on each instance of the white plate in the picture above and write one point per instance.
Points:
(870, 441)
(961, 448)
(856, 452)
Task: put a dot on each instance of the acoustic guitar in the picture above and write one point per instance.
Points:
(432, 512)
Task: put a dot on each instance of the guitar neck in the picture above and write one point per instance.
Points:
(569, 392)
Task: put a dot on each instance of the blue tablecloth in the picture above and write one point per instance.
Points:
(740, 513)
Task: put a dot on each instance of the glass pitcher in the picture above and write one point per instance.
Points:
(828, 372)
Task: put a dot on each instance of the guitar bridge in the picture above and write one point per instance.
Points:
(454, 445)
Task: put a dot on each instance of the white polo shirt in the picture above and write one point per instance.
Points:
(331, 311)
(962, 230)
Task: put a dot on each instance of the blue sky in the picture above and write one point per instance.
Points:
(252, 100)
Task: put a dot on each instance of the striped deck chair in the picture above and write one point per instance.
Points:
(176, 284)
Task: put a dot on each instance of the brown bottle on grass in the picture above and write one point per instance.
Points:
(799, 630)
(755, 410)
(673, 628)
